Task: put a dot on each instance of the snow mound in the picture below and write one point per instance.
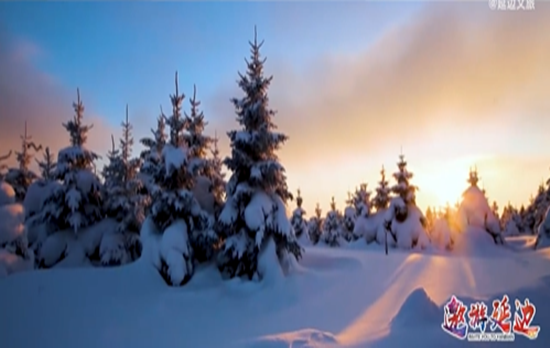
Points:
(306, 338)
(7, 194)
(417, 310)
(474, 241)
(473, 209)
(11, 222)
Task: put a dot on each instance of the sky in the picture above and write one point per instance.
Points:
(451, 85)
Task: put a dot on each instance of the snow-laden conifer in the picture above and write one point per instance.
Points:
(124, 202)
(77, 202)
(315, 225)
(381, 200)
(298, 219)
(175, 212)
(254, 218)
(21, 178)
(332, 226)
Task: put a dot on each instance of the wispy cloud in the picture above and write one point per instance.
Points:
(453, 73)
(27, 94)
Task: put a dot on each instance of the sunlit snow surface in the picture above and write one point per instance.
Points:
(354, 296)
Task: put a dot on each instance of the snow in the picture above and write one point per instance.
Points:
(473, 208)
(175, 251)
(7, 193)
(258, 211)
(11, 222)
(441, 235)
(174, 157)
(543, 231)
(336, 298)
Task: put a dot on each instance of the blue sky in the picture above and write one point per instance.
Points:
(127, 52)
(453, 84)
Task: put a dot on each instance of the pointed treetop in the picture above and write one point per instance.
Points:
(127, 113)
(113, 147)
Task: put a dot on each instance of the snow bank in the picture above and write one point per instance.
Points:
(473, 208)
(417, 310)
(7, 194)
(15, 255)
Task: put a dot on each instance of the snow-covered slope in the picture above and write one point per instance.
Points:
(336, 298)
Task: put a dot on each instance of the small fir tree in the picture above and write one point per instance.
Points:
(361, 200)
(21, 178)
(332, 229)
(257, 186)
(403, 187)
(47, 166)
(298, 220)
(381, 200)
(315, 225)
(77, 203)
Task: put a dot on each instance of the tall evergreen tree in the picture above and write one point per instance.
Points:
(3, 166)
(175, 211)
(124, 201)
(21, 178)
(381, 200)
(47, 165)
(77, 203)
(257, 186)
(403, 187)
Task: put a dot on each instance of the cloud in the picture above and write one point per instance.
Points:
(27, 94)
(454, 68)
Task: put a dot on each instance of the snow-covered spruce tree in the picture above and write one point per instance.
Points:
(4, 167)
(403, 187)
(151, 156)
(21, 178)
(198, 144)
(36, 194)
(332, 226)
(315, 225)
(124, 202)
(77, 202)
(216, 176)
(256, 228)
(298, 219)
(175, 212)
(381, 200)
(361, 200)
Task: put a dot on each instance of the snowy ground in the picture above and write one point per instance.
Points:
(341, 297)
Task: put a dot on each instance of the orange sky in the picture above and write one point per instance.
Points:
(454, 86)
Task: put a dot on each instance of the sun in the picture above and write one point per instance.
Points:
(442, 183)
